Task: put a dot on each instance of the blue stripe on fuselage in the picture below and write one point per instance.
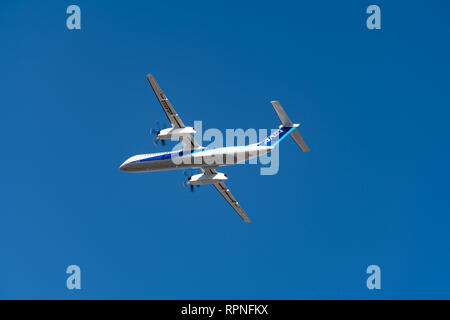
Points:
(168, 155)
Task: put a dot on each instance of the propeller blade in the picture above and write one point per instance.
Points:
(156, 130)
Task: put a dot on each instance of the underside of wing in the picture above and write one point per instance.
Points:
(188, 141)
(228, 196)
(225, 192)
(165, 103)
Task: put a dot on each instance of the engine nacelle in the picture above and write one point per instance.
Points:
(172, 133)
(199, 179)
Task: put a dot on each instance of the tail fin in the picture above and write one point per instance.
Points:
(286, 127)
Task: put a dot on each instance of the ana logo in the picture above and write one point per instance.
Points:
(276, 133)
(272, 136)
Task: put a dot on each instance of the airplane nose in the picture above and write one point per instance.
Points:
(129, 165)
(123, 166)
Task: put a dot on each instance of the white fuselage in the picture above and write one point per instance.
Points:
(193, 158)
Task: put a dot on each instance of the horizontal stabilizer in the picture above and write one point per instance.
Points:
(299, 140)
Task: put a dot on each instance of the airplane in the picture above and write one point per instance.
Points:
(193, 155)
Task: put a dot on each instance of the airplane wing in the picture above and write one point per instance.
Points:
(175, 120)
(225, 192)
(171, 114)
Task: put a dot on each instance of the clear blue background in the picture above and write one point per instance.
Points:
(374, 189)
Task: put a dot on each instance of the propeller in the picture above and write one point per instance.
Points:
(189, 173)
(155, 131)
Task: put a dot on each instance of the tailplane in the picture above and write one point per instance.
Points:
(287, 127)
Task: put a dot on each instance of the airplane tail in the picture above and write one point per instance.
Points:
(287, 127)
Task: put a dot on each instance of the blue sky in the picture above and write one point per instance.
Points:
(374, 108)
